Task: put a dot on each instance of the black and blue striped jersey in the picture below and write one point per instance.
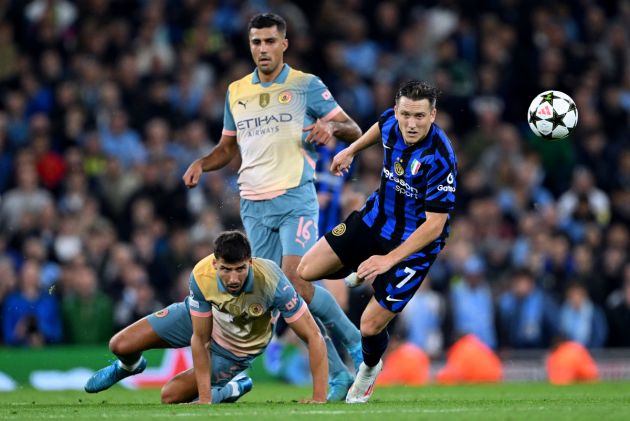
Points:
(415, 179)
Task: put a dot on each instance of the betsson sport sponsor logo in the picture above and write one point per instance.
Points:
(258, 126)
(402, 186)
(449, 188)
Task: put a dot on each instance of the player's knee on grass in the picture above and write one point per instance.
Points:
(167, 394)
(171, 394)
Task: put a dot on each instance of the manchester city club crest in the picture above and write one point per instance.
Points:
(399, 169)
(255, 309)
(161, 313)
(339, 230)
(285, 97)
(264, 100)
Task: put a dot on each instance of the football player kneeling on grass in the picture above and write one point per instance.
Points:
(227, 320)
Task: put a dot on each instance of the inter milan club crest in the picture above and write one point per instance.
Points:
(255, 310)
(264, 100)
(285, 97)
(399, 169)
(415, 167)
(339, 230)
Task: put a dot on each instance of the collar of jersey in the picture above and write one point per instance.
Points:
(281, 78)
(249, 284)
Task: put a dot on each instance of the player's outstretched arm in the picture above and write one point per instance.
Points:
(423, 235)
(342, 161)
(219, 157)
(308, 331)
(202, 332)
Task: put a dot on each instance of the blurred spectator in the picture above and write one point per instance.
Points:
(138, 297)
(582, 321)
(121, 141)
(527, 315)
(619, 313)
(31, 314)
(471, 303)
(470, 361)
(570, 362)
(423, 318)
(87, 312)
(27, 198)
(583, 197)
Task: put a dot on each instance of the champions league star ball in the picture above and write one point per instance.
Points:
(552, 115)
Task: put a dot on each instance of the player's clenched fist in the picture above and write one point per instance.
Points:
(192, 174)
(341, 162)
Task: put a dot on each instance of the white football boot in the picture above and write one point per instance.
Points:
(363, 385)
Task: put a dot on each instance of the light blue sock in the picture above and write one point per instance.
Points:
(335, 364)
(324, 307)
(221, 393)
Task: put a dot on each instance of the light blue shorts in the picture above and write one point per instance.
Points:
(282, 226)
(173, 325)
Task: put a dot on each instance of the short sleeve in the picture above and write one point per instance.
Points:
(319, 100)
(387, 114)
(229, 127)
(441, 184)
(287, 300)
(197, 302)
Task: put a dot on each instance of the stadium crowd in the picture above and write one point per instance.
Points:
(104, 103)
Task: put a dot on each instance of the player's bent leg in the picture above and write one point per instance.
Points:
(319, 262)
(127, 345)
(374, 321)
(181, 388)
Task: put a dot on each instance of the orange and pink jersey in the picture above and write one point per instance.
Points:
(270, 122)
(243, 323)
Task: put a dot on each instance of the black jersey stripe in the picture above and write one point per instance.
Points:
(400, 205)
(388, 151)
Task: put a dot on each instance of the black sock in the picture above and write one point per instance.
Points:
(129, 359)
(374, 347)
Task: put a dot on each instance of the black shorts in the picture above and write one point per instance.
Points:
(354, 242)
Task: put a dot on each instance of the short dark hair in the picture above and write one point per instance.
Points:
(416, 90)
(232, 247)
(268, 20)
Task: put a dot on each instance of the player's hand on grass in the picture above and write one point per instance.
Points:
(374, 266)
(192, 174)
(312, 401)
(341, 162)
(321, 133)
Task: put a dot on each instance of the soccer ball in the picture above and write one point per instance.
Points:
(552, 115)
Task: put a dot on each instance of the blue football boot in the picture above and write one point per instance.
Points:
(110, 375)
(338, 386)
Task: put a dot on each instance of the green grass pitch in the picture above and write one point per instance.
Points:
(517, 401)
